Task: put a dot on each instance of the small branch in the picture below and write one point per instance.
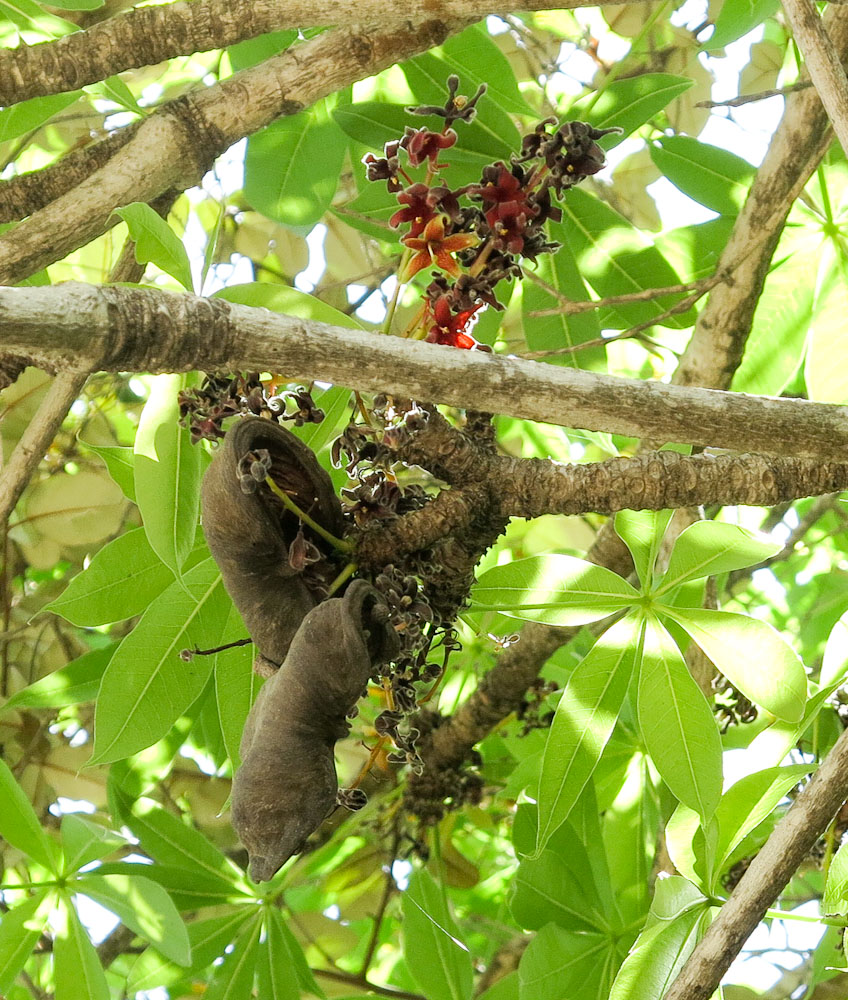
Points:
(570, 307)
(768, 873)
(362, 983)
(823, 63)
(37, 437)
(763, 95)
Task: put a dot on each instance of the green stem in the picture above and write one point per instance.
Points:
(789, 915)
(340, 544)
(345, 574)
(390, 311)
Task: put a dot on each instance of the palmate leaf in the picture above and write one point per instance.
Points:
(707, 548)
(20, 826)
(752, 655)
(642, 532)
(76, 967)
(20, 929)
(677, 725)
(146, 686)
(84, 841)
(554, 589)
(561, 963)
(233, 978)
(584, 720)
(76, 682)
(167, 474)
(155, 242)
(712, 176)
(438, 961)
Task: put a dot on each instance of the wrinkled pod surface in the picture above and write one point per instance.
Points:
(286, 785)
(250, 533)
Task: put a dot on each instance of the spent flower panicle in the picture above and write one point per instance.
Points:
(475, 236)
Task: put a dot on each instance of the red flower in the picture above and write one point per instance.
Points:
(418, 212)
(499, 185)
(509, 223)
(422, 144)
(450, 329)
(434, 248)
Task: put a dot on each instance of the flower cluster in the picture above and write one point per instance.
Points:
(203, 410)
(474, 236)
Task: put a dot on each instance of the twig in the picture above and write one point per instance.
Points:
(823, 63)
(768, 873)
(763, 95)
(362, 983)
(570, 307)
(389, 887)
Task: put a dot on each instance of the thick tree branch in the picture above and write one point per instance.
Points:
(767, 875)
(823, 63)
(145, 36)
(175, 146)
(85, 328)
(798, 144)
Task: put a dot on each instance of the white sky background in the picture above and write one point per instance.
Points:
(746, 131)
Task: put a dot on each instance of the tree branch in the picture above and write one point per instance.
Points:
(767, 875)
(823, 63)
(174, 147)
(86, 328)
(145, 36)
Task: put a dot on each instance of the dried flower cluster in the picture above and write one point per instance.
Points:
(474, 236)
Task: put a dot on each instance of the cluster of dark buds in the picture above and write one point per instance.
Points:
(377, 496)
(409, 608)
(388, 724)
(253, 469)
(532, 712)
(352, 799)
(474, 236)
(203, 410)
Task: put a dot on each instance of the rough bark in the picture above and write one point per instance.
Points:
(145, 36)
(85, 328)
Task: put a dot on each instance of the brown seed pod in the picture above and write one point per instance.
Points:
(250, 534)
(286, 785)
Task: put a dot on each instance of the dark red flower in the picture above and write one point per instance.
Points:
(452, 330)
(499, 185)
(508, 221)
(422, 144)
(418, 211)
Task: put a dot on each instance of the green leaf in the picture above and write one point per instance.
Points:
(642, 532)
(156, 243)
(257, 50)
(292, 167)
(84, 842)
(549, 333)
(77, 971)
(615, 259)
(559, 963)
(661, 949)
(208, 940)
(144, 907)
(233, 978)
(752, 655)
(167, 474)
(835, 899)
(20, 929)
(188, 888)
(174, 843)
(27, 14)
(558, 886)
(749, 801)
(584, 720)
(120, 582)
(29, 115)
(778, 337)
(20, 826)
(76, 682)
(707, 548)
(77, 4)
(677, 725)
(115, 90)
(147, 687)
(281, 956)
(711, 176)
(553, 589)
(826, 381)
(236, 686)
(737, 17)
(627, 104)
(119, 464)
(435, 955)
(286, 300)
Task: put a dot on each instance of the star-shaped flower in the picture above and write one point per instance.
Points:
(452, 330)
(433, 248)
